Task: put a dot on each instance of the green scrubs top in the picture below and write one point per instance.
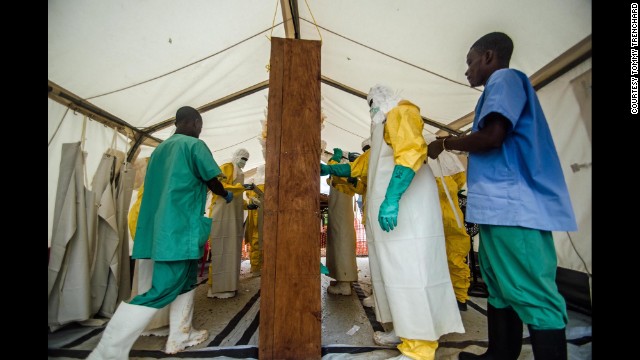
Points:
(172, 223)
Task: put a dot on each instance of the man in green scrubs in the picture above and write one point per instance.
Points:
(172, 230)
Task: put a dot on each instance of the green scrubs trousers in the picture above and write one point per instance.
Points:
(170, 279)
(519, 267)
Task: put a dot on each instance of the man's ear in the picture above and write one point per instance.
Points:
(488, 56)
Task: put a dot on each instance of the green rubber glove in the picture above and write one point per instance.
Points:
(400, 181)
(342, 170)
(324, 269)
(324, 169)
(337, 155)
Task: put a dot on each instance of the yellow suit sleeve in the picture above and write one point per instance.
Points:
(403, 132)
(340, 183)
(460, 179)
(360, 169)
(226, 178)
(360, 166)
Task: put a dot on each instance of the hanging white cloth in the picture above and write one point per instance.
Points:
(124, 190)
(69, 267)
(226, 240)
(107, 261)
(408, 265)
(341, 237)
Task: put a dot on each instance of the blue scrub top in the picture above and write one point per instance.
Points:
(172, 224)
(520, 183)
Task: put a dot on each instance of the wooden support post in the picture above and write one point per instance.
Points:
(290, 314)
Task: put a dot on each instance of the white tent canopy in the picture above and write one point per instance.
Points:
(137, 62)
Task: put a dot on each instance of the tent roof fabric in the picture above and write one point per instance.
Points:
(142, 60)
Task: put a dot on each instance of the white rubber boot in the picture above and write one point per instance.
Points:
(181, 335)
(161, 331)
(221, 295)
(340, 288)
(386, 338)
(122, 331)
(368, 301)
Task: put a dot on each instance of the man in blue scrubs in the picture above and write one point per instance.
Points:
(518, 196)
(172, 230)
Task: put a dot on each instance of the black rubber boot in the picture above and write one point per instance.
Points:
(505, 336)
(548, 344)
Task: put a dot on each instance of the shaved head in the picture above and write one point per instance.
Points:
(188, 121)
(500, 43)
(187, 113)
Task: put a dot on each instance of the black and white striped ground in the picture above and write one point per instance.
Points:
(347, 328)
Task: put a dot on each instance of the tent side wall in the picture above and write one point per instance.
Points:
(567, 106)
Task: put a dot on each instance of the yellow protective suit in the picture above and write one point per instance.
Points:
(359, 169)
(253, 230)
(135, 208)
(456, 238)
(133, 213)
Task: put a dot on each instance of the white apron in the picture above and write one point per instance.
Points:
(105, 261)
(68, 272)
(124, 190)
(341, 237)
(226, 240)
(408, 265)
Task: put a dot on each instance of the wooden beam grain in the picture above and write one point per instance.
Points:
(290, 314)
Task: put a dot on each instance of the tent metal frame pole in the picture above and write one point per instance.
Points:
(66, 98)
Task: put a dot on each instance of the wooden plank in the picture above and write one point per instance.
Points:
(290, 314)
(297, 311)
(271, 201)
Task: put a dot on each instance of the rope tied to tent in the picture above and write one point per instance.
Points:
(238, 143)
(393, 57)
(273, 24)
(314, 21)
(180, 68)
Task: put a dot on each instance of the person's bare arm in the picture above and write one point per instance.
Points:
(216, 187)
(489, 137)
